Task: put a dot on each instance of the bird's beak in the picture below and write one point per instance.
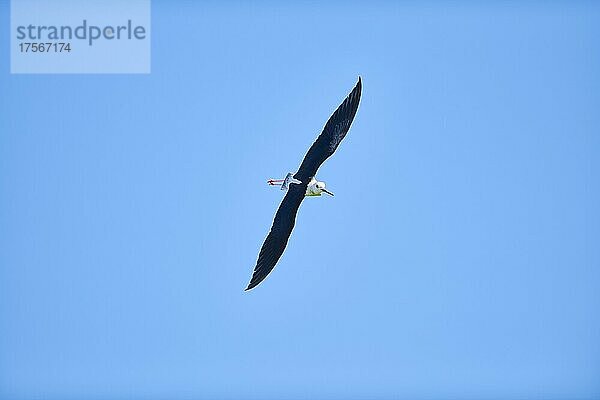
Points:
(327, 191)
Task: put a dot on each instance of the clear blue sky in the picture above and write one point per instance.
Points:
(458, 259)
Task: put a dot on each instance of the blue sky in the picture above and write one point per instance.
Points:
(458, 259)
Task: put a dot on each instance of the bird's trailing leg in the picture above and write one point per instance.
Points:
(275, 182)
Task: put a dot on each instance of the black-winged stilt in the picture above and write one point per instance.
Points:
(303, 183)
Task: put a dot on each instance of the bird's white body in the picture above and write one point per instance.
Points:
(315, 187)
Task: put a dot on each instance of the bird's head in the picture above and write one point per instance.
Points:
(321, 188)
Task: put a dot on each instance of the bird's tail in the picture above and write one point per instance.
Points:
(289, 179)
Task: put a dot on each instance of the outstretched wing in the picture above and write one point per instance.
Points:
(335, 130)
(275, 243)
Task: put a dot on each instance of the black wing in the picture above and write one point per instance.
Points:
(335, 130)
(275, 243)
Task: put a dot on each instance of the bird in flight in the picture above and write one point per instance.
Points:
(304, 183)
